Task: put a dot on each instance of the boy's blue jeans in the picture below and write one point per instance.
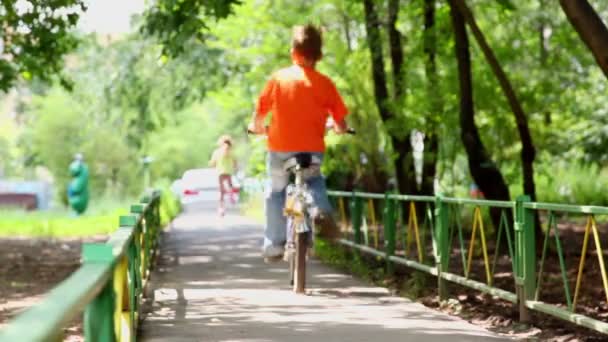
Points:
(276, 223)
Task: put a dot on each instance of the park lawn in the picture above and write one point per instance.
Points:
(57, 224)
(100, 219)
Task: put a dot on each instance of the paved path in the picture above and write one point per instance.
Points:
(211, 285)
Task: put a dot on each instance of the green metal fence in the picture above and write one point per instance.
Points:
(108, 286)
(485, 245)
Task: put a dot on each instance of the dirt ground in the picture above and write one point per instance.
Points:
(31, 267)
(501, 316)
(487, 311)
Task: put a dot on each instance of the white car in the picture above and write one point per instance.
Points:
(199, 185)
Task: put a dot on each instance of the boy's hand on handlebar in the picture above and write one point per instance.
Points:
(339, 127)
(255, 127)
(342, 128)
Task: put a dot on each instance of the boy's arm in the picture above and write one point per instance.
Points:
(263, 106)
(337, 109)
(256, 125)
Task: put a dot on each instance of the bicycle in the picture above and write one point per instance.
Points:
(299, 210)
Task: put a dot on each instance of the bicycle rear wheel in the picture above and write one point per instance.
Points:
(299, 284)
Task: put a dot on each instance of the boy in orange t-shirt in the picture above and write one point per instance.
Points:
(300, 99)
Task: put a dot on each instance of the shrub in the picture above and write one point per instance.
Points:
(170, 206)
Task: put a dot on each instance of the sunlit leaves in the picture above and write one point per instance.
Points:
(507, 4)
(36, 34)
(176, 22)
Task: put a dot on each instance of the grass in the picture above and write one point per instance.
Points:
(100, 219)
(343, 259)
(405, 282)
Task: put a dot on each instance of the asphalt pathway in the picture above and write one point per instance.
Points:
(211, 284)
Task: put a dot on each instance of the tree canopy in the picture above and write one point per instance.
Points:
(190, 71)
(36, 35)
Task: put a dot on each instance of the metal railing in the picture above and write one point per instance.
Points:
(504, 266)
(108, 286)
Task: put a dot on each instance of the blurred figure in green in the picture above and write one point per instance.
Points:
(78, 189)
(225, 164)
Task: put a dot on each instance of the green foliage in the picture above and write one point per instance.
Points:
(128, 103)
(170, 207)
(559, 181)
(136, 97)
(60, 128)
(174, 23)
(36, 35)
(255, 42)
(147, 89)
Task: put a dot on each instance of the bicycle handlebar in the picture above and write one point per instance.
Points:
(349, 131)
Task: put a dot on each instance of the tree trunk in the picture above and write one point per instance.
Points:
(375, 48)
(590, 28)
(405, 170)
(528, 152)
(483, 170)
(431, 138)
(401, 146)
(543, 52)
(347, 33)
(396, 49)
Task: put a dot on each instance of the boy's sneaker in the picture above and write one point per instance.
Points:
(273, 259)
(326, 227)
(273, 254)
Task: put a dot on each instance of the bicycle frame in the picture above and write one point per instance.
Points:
(298, 202)
(297, 208)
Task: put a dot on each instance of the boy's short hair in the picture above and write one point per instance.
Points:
(307, 41)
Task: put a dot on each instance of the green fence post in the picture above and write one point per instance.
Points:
(156, 223)
(135, 284)
(443, 248)
(356, 216)
(525, 246)
(98, 318)
(389, 232)
(146, 227)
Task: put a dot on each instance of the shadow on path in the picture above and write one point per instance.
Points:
(211, 285)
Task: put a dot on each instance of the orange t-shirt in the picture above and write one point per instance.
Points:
(300, 99)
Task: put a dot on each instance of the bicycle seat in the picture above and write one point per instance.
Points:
(304, 160)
